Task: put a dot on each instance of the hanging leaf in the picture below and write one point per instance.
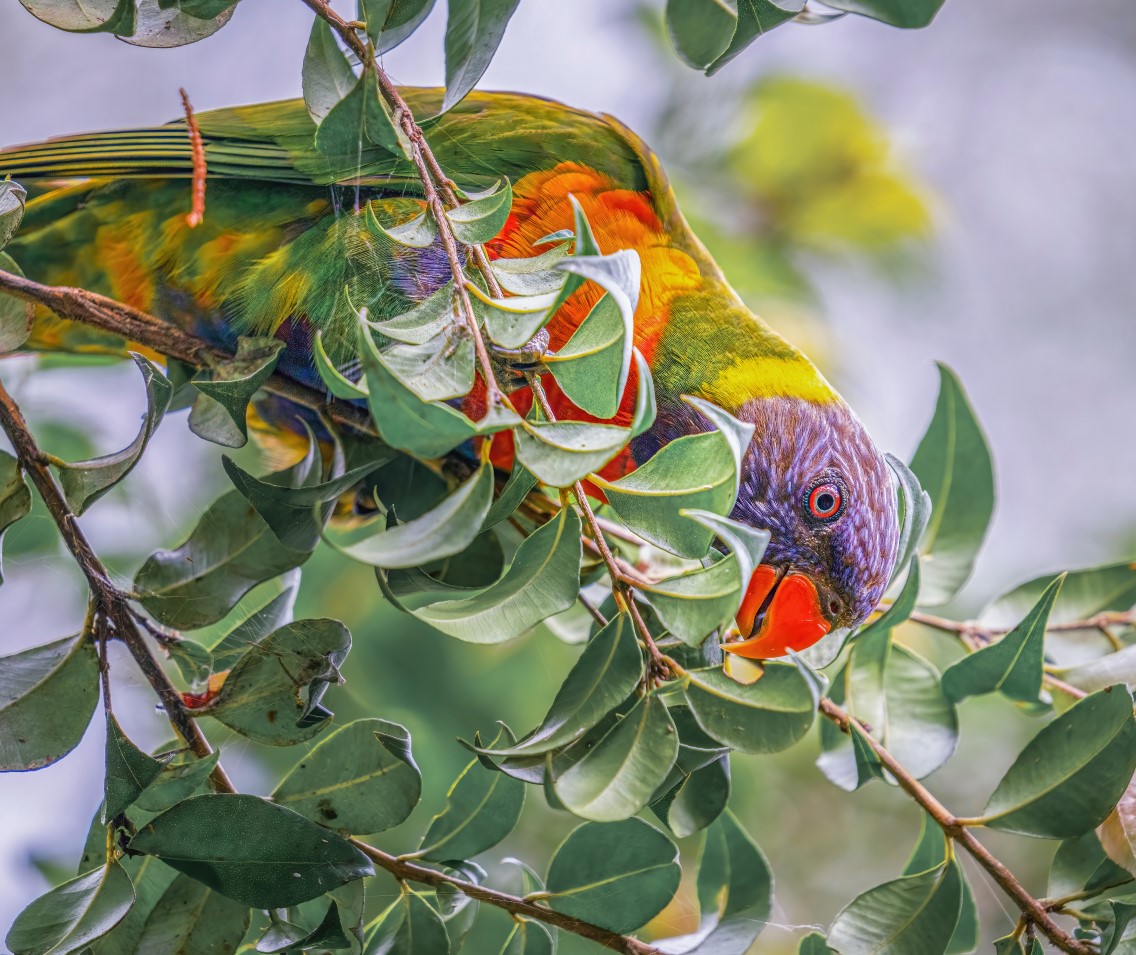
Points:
(529, 937)
(701, 30)
(915, 512)
(763, 717)
(362, 778)
(262, 697)
(417, 233)
(516, 489)
(617, 776)
(335, 382)
(191, 917)
(587, 368)
(85, 16)
(531, 276)
(71, 916)
(474, 30)
(479, 220)
(542, 580)
(755, 17)
(13, 198)
(912, 915)
(910, 14)
(698, 788)
(389, 22)
(735, 893)
(84, 482)
(15, 496)
(327, 75)
(930, 852)
(47, 696)
(182, 774)
(953, 463)
(218, 414)
(606, 674)
(258, 624)
(437, 370)
(1085, 593)
(482, 808)
(173, 23)
(408, 927)
(692, 605)
(899, 695)
(16, 315)
(426, 320)
(1013, 665)
(128, 770)
(698, 471)
(1071, 774)
(229, 551)
(511, 322)
(251, 850)
(1082, 865)
(360, 120)
(629, 860)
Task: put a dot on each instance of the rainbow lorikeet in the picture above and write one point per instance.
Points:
(285, 243)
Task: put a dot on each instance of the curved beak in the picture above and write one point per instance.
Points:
(786, 612)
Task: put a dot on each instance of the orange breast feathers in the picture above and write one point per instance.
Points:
(620, 219)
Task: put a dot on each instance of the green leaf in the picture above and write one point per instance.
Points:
(389, 22)
(84, 16)
(735, 894)
(251, 850)
(1071, 774)
(1080, 864)
(511, 322)
(175, 23)
(516, 489)
(229, 551)
(542, 580)
(560, 453)
(362, 779)
(479, 220)
(361, 119)
(915, 512)
(409, 927)
(258, 624)
(898, 694)
(437, 370)
(417, 233)
(262, 696)
(692, 605)
(181, 776)
(912, 915)
(474, 30)
(293, 502)
(191, 918)
(15, 496)
(766, 716)
(73, 915)
(15, 314)
(47, 696)
(587, 368)
(698, 471)
(531, 276)
(1013, 665)
(151, 879)
(617, 776)
(529, 937)
(128, 770)
(1085, 593)
(327, 75)
(755, 17)
(446, 530)
(218, 414)
(192, 659)
(930, 852)
(482, 808)
(13, 198)
(335, 382)
(814, 944)
(629, 860)
(428, 318)
(606, 674)
(701, 30)
(910, 14)
(953, 463)
(697, 799)
(84, 482)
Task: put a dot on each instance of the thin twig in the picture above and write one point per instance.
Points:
(974, 628)
(1033, 910)
(197, 212)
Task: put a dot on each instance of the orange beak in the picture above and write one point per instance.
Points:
(793, 619)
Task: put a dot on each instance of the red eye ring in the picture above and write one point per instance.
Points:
(825, 502)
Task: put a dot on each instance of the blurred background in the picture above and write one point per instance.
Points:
(964, 193)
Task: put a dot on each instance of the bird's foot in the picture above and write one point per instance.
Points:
(512, 365)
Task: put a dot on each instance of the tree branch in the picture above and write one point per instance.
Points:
(1033, 911)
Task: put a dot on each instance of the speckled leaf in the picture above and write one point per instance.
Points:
(361, 778)
(47, 696)
(251, 850)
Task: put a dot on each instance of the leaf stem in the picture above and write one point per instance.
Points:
(1034, 912)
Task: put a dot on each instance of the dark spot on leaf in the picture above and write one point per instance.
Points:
(271, 714)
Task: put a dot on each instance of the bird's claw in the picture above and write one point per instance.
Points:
(514, 364)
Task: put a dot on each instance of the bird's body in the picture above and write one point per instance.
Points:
(287, 240)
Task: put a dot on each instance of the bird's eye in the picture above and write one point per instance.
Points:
(825, 502)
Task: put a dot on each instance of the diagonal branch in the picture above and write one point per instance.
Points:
(1034, 912)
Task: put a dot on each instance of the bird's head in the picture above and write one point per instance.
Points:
(815, 480)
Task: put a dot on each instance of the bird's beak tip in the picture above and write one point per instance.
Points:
(792, 620)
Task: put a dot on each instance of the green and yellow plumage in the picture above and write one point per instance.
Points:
(291, 233)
